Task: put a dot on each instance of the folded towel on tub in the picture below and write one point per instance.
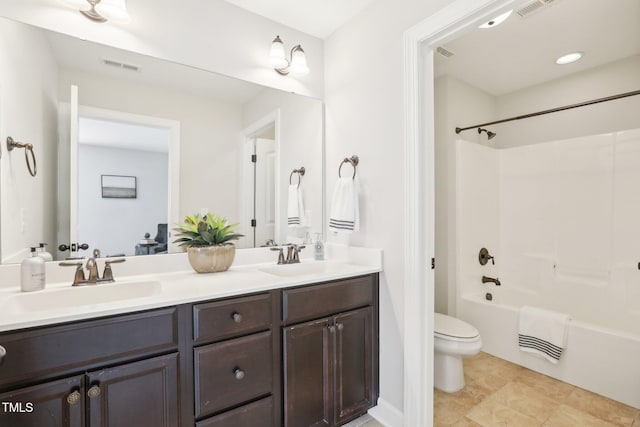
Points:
(543, 332)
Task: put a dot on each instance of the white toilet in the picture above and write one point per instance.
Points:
(453, 339)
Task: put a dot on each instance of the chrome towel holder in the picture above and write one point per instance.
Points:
(28, 148)
(353, 161)
(300, 173)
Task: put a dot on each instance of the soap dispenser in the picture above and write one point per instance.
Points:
(318, 248)
(44, 254)
(32, 273)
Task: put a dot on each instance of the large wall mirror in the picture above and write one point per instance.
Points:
(127, 145)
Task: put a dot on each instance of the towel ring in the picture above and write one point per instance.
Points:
(28, 148)
(353, 160)
(300, 173)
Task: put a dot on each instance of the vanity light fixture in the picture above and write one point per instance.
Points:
(569, 58)
(102, 10)
(296, 65)
(496, 21)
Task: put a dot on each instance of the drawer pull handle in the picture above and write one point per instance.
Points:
(73, 398)
(94, 391)
(332, 329)
(237, 317)
(340, 326)
(3, 354)
(239, 373)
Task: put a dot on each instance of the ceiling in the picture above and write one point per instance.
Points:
(521, 52)
(317, 18)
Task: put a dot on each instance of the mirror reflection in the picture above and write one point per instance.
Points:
(127, 145)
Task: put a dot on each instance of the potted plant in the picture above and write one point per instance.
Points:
(208, 241)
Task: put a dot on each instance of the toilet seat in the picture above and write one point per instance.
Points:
(452, 329)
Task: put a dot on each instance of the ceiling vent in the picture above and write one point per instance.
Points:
(121, 65)
(444, 52)
(534, 6)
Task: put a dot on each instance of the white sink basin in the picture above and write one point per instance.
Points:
(306, 269)
(54, 299)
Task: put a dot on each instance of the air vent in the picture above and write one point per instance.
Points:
(444, 52)
(122, 65)
(534, 6)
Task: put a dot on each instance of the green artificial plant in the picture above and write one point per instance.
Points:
(205, 230)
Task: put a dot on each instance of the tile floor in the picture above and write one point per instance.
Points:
(364, 421)
(499, 393)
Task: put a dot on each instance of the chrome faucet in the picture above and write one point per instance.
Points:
(92, 267)
(486, 279)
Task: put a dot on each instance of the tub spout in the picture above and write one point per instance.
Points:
(486, 279)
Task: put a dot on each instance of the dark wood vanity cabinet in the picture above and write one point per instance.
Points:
(303, 356)
(330, 363)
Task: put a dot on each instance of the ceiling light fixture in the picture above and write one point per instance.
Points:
(102, 10)
(569, 58)
(496, 21)
(296, 65)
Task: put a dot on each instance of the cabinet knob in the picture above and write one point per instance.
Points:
(73, 398)
(239, 373)
(94, 391)
(332, 329)
(237, 317)
(3, 354)
(340, 326)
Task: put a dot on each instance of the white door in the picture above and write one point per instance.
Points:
(264, 191)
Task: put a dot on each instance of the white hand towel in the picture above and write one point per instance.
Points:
(295, 207)
(345, 212)
(543, 332)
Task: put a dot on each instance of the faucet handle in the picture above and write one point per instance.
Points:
(107, 275)
(78, 277)
(280, 255)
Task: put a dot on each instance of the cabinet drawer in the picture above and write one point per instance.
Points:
(232, 372)
(42, 352)
(233, 317)
(312, 302)
(256, 414)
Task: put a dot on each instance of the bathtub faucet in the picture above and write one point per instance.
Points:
(486, 279)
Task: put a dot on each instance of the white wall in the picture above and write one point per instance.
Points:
(210, 135)
(457, 105)
(28, 94)
(127, 219)
(300, 145)
(364, 111)
(213, 35)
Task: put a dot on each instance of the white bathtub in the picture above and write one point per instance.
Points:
(597, 358)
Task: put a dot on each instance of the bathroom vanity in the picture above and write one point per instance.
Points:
(297, 352)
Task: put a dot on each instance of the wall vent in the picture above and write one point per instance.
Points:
(534, 6)
(444, 52)
(122, 65)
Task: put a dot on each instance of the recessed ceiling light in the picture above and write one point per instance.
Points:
(496, 21)
(569, 58)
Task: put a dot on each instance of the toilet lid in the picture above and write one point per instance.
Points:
(452, 328)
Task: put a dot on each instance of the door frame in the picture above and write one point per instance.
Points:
(419, 43)
(173, 126)
(245, 171)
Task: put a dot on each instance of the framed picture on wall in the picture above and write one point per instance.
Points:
(119, 187)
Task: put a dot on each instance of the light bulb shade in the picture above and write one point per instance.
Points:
(497, 20)
(276, 57)
(298, 61)
(114, 10)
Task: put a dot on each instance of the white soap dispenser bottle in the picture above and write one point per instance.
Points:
(318, 248)
(32, 273)
(46, 256)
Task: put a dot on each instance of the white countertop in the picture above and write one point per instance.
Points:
(59, 302)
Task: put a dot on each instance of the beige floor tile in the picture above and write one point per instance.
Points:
(461, 401)
(636, 422)
(466, 422)
(606, 409)
(445, 416)
(526, 400)
(550, 387)
(489, 371)
(566, 416)
(495, 414)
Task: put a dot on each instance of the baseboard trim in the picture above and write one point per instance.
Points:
(387, 414)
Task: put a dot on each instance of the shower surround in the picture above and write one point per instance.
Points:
(562, 219)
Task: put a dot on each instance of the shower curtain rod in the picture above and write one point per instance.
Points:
(554, 110)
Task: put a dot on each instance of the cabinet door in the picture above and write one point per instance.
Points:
(143, 393)
(353, 363)
(53, 404)
(308, 381)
